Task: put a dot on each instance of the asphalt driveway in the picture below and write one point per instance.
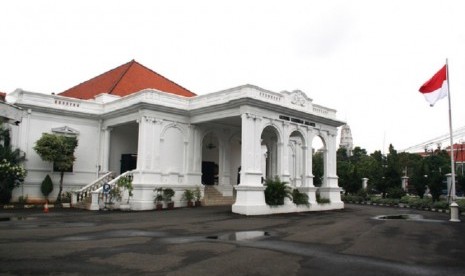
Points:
(213, 241)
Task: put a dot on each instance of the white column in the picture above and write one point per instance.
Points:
(250, 196)
(364, 183)
(251, 151)
(405, 183)
(330, 188)
(284, 150)
(105, 161)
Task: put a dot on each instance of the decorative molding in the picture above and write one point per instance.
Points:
(66, 130)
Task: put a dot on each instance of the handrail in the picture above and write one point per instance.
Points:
(96, 184)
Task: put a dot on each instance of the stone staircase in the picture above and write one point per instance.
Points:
(212, 197)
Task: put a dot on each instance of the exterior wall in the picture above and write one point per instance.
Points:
(86, 164)
(168, 133)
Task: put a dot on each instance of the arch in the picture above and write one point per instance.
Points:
(319, 160)
(270, 138)
(173, 125)
(172, 149)
(210, 145)
(296, 158)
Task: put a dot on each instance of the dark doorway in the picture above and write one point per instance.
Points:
(209, 172)
(128, 162)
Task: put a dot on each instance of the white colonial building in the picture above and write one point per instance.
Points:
(132, 120)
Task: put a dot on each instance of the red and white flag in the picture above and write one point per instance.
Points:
(436, 88)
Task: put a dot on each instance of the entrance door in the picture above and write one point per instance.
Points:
(209, 172)
(128, 162)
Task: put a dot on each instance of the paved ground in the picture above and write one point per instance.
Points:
(213, 241)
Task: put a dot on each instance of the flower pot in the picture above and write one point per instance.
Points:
(198, 203)
(190, 204)
(170, 205)
(159, 206)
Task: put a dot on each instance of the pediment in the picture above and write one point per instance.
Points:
(65, 130)
(297, 97)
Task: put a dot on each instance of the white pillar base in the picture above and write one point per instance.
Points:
(311, 193)
(333, 193)
(250, 200)
(454, 212)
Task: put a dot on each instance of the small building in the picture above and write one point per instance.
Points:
(131, 119)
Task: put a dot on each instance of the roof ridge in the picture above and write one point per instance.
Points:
(122, 75)
(164, 77)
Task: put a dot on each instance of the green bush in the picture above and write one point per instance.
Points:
(46, 187)
(299, 198)
(441, 205)
(188, 195)
(168, 193)
(275, 192)
(396, 192)
(322, 200)
(461, 203)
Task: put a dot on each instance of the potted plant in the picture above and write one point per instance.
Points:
(189, 196)
(198, 196)
(66, 200)
(168, 193)
(158, 199)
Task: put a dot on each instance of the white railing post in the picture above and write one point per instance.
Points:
(94, 206)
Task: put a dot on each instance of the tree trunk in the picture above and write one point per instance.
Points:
(62, 174)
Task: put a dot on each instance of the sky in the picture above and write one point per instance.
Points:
(366, 59)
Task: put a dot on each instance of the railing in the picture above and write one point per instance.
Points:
(97, 194)
(85, 192)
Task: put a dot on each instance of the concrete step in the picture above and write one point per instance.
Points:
(213, 197)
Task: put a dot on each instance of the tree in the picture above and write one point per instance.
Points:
(12, 174)
(59, 150)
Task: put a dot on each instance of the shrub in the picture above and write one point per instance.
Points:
(299, 198)
(168, 193)
(23, 199)
(275, 192)
(322, 200)
(197, 194)
(46, 187)
(188, 195)
(441, 205)
(396, 192)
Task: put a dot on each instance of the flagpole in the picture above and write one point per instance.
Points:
(452, 163)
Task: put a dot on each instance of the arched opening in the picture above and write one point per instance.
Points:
(318, 162)
(296, 159)
(210, 159)
(269, 151)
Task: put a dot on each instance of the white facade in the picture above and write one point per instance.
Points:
(168, 138)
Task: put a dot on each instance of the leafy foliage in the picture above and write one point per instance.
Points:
(46, 187)
(12, 174)
(275, 192)
(188, 195)
(300, 198)
(168, 194)
(317, 169)
(59, 150)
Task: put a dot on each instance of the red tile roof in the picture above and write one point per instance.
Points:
(2, 96)
(124, 80)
